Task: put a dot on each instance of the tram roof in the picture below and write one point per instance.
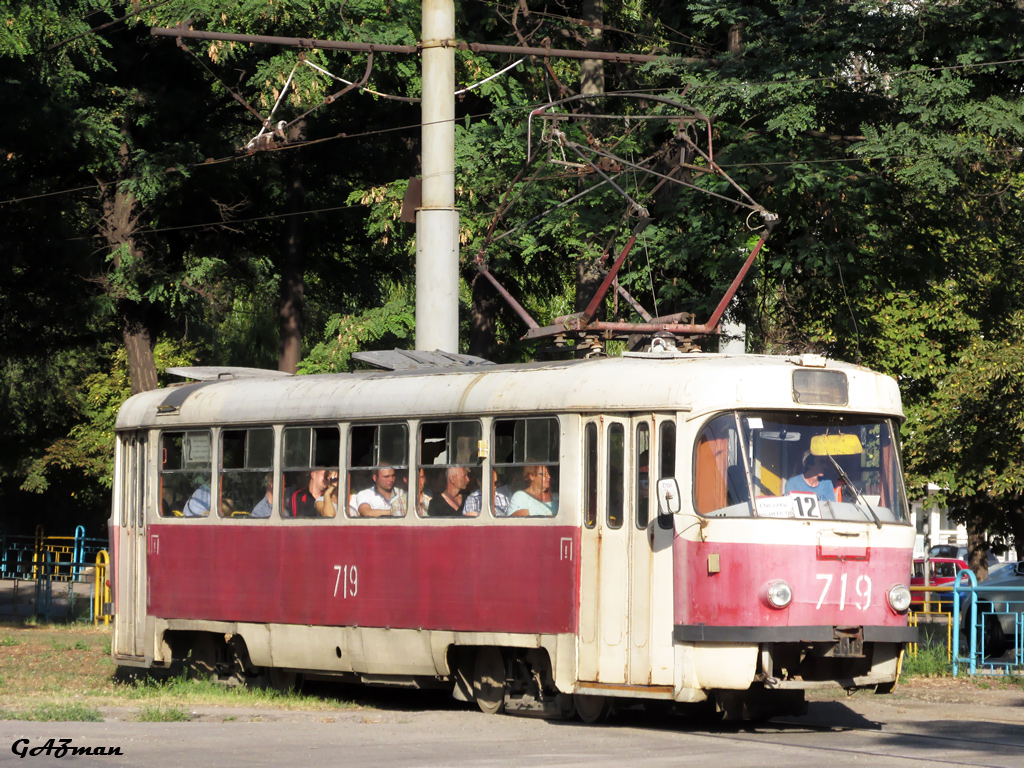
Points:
(699, 383)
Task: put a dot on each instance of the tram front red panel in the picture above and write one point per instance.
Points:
(483, 579)
(839, 586)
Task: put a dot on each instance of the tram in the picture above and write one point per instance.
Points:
(703, 529)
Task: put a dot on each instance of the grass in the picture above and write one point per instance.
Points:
(930, 661)
(45, 665)
(65, 713)
(186, 691)
(160, 714)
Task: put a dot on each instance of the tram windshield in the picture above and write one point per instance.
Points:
(799, 465)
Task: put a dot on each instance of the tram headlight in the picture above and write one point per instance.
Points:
(899, 598)
(778, 594)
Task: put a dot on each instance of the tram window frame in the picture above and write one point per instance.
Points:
(300, 458)
(642, 475)
(734, 476)
(519, 444)
(237, 473)
(668, 449)
(615, 482)
(590, 484)
(372, 447)
(445, 440)
(192, 458)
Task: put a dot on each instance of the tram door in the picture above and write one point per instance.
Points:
(626, 568)
(130, 587)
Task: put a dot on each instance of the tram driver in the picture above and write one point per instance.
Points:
(382, 499)
(812, 479)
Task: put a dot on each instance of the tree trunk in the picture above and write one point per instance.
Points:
(118, 227)
(141, 364)
(736, 39)
(589, 274)
(977, 543)
(592, 70)
(1015, 526)
(482, 319)
(292, 281)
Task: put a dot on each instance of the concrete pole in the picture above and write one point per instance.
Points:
(437, 220)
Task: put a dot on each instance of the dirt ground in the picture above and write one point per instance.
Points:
(987, 691)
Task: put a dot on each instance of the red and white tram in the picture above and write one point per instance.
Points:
(676, 554)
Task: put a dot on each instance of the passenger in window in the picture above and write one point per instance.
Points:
(382, 499)
(813, 480)
(474, 502)
(327, 505)
(450, 502)
(537, 500)
(265, 505)
(423, 496)
(167, 506)
(198, 504)
(301, 502)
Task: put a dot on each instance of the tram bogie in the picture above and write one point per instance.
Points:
(701, 531)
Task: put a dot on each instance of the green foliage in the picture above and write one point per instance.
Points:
(886, 136)
(89, 446)
(379, 328)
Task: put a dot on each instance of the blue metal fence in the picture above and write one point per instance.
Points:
(44, 560)
(990, 619)
(22, 557)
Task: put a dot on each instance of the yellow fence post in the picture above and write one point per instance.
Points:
(37, 551)
(101, 595)
(912, 622)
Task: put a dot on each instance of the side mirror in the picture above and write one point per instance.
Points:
(668, 496)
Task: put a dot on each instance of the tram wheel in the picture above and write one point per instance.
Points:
(284, 680)
(995, 638)
(489, 681)
(592, 709)
(566, 706)
(202, 658)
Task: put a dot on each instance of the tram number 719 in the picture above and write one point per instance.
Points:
(347, 581)
(862, 590)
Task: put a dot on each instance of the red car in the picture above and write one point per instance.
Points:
(942, 574)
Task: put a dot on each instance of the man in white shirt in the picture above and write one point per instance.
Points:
(381, 499)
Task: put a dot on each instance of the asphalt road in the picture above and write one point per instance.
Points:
(425, 731)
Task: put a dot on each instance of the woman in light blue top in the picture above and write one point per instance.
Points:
(536, 500)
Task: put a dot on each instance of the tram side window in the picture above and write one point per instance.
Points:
(186, 474)
(310, 471)
(642, 476)
(667, 460)
(526, 463)
(450, 464)
(378, 470)
(590, 475)
(616, 474)
(720, 478)
(247, 473)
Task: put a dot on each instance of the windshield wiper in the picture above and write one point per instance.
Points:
(846, 480)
